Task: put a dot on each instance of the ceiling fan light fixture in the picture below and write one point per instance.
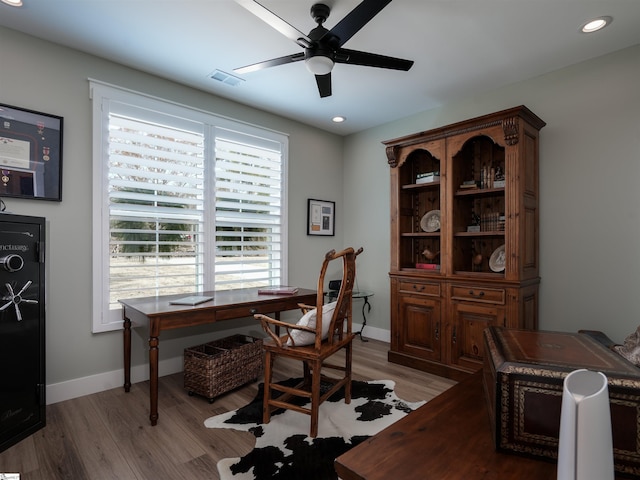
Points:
(13, 3)
(319, 65)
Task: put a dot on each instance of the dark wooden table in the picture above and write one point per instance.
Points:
(157, 314)
(448, 438)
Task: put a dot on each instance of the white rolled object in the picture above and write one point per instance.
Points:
(585, 447)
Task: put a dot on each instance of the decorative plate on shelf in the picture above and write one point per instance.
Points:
(498, 259)
(430, 221)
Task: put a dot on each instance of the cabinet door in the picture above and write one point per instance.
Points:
(419, 331)
(468, 322)
(22, 378)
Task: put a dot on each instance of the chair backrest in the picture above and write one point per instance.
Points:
(341, 317)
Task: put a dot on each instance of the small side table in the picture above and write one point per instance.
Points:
(366, 306)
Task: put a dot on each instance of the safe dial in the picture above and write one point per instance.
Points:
(12, 263)
(16, 299)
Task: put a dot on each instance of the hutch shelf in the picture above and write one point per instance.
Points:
(464, 238)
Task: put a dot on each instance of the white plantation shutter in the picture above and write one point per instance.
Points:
(156, 197)
(184, 202)
(248, 199)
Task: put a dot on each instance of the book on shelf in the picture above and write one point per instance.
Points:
(428, 266)
(279, 290)
(428, 178)
(490, 222)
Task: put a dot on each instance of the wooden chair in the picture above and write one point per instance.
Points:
(314, 355)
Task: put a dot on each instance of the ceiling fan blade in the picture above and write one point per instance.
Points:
(276, 22)
(324, 85)
(356, 19)
(296, 57)
(354, 57)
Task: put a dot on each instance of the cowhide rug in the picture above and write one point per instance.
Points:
(283, 449)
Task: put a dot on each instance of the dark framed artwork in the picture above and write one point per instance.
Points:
(321, 217)
(30, 154)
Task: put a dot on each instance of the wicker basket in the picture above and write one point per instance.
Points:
(220, 366)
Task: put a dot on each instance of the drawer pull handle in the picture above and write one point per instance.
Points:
(253, 311)
(481, 294)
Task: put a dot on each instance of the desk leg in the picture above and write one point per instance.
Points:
(127, 354)
(153, 379)
(365, 305)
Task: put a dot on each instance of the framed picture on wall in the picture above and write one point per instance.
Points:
(321, 217)
(30, 154)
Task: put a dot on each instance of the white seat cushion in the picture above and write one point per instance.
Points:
(301, 337)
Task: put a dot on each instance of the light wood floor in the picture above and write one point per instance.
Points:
(107, 435)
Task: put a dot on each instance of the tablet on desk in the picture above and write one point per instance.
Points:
(190, 300)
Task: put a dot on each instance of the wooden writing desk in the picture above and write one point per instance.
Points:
(448, 438)
(157, 314)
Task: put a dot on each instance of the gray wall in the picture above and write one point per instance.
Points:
(45, 77)
(589, 172)
(589, 194)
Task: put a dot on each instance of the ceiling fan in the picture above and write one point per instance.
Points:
(322, 47)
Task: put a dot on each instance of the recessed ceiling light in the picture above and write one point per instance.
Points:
(13, 3)
(596, 24)
(338, 119)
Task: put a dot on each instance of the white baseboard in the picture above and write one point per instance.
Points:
(374, 333)
(78, 387)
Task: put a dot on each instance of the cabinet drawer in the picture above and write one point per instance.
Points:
(474, 293)
(431, 289)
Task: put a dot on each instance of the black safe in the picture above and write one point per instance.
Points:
(22, 322)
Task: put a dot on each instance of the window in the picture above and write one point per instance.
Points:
(184, 201)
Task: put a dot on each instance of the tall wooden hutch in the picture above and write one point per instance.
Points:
(464, 238)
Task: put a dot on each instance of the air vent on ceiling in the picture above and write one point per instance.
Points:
(227, 78)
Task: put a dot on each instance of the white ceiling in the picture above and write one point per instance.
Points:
(460, 48)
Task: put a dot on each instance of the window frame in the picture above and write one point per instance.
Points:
(103, 318)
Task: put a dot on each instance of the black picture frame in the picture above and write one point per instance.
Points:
(30, 154)
(321, 217)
